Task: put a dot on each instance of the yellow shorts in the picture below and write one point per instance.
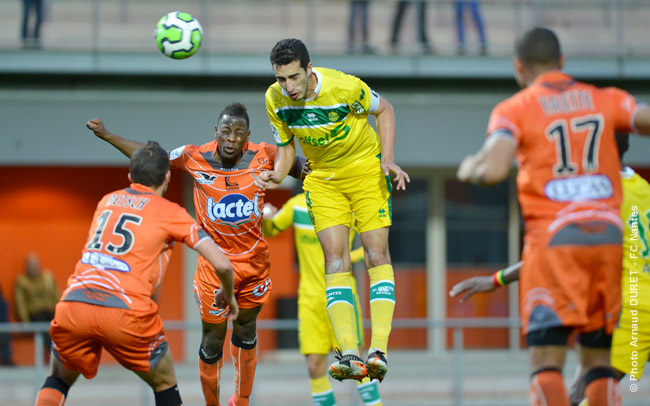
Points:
(361, 188)
(631, 346)
(315, 333)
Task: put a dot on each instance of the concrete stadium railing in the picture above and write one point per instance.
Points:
(612, 28)
(457, 324)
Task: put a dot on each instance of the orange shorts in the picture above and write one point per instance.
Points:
(80, 331)
(571, 285)
(252, 289)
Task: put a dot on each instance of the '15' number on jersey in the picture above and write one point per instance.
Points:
(120, 229)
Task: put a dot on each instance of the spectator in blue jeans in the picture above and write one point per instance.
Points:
(31, 37)
(475, 7)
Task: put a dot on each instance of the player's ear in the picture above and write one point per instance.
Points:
(216, 131)
(562, 61)
(128, 175)
(519, 66)
(168, 176)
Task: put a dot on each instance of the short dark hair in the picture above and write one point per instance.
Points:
(149, 165)
(539, 46)
(289, 50)
(235, 110)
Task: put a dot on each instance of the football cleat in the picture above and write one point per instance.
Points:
(376, 364)
(348, 366)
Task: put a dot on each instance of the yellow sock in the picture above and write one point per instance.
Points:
(319, 385)
(322, 393)
(382, 304)
(340, 309)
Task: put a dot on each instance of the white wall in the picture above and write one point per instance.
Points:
(47, 127)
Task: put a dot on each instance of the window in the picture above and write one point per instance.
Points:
(477, 224)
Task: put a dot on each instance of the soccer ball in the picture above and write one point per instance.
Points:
(178, 35)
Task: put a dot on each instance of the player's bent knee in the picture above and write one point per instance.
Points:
(334, 265)
(168, 397)
(212, 343)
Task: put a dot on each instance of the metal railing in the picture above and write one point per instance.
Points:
(613, 28)
(458, 325)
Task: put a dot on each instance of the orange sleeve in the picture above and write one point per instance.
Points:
(504, 120)
(181, 226)
(178, 156)
(269, 152)
(623, 106)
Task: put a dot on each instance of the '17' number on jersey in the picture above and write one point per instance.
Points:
(559, 130)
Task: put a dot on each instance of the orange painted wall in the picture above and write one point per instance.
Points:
(48, 210)
(494, 304)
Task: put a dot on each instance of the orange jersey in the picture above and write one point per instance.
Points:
(128, 249)
(566, 150)
(228, 204)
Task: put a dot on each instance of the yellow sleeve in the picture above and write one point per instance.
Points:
(279, 128)
(282, 220)
(361, 96)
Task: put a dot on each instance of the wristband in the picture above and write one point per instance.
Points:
(497, 278)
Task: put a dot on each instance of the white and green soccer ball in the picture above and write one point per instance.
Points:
(178, 35)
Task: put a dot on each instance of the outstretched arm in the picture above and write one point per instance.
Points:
(642, 120)
(486, 283)
(284, 160)
(124, 145)
(223, 268)
(385, 116)
(491, 164)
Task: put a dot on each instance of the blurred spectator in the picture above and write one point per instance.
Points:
(5, 338)
(36, 295)
(358, 25)
(31, 38)
(475, 7)
(422, 28)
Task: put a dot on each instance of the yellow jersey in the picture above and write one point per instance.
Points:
(310, 254)
(635, 212)
(332, 127)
